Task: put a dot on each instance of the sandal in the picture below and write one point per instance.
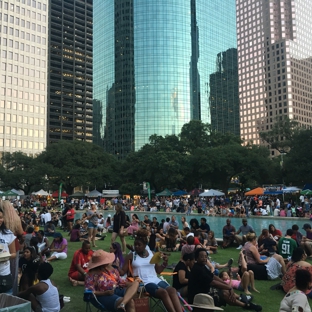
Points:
(121, 308)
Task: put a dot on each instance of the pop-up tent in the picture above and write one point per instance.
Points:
(165, 192)
(256, 191)
(212, 192)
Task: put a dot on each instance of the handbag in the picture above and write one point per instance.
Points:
(141, 304)
(6, 283)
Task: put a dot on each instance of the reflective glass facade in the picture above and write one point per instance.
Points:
(153, 62)
(274, 64)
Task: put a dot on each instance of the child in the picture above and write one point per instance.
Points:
(242, 283)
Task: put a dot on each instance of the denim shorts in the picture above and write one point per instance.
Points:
(91, 225)
(151, 287)
(110, 302)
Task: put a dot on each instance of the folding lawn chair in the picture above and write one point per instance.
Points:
(90, 298)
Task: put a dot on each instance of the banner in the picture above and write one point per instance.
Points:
(60, 192)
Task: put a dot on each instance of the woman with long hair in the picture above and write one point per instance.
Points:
(14, 224)
(134, 226)
(7, 252)
(119, 226)
(93, 218)
(139, 260)
(115, 248)
(28, 267)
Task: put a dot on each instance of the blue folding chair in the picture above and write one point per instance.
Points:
(90, 298)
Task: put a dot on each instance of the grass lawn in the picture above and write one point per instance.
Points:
(269, 299)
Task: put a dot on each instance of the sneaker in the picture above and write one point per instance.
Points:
(239, 247)
(255, 307)
(230, 262)
(243, 298)
(249, 297)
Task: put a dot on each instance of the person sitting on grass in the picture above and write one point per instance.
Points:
(58, 248)
(203, 281)
(28, 267)
(79, 265)
(211, 244)
(244, 283)
(296, 299)
(183, 269)
(43, 296)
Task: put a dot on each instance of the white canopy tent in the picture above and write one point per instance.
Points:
(211, 192)
(41, 193)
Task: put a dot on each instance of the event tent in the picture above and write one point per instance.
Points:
(212, 192)
(256, 191)
(94, 194)
(41, 193)
(291, 189)
(165, 192)
(77, 194)
(9, 194)
(56, 194)
(179, 193)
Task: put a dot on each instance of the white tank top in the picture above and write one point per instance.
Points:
(49, 300)
(143, 269)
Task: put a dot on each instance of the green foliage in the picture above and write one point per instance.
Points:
(281, 137)
(77, 163)
(20, 171)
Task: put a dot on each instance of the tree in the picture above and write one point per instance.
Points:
(20, 171)
(76, 163)
(281, 137)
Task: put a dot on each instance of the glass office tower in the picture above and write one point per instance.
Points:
(274, 64)
(152, 63)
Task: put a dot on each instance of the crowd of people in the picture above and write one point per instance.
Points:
(116, 275)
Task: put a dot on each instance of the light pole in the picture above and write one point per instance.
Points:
(146, 186)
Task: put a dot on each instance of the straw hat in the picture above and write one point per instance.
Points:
(100, 257)
(204, 301)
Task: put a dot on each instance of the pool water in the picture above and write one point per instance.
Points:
(217, 223)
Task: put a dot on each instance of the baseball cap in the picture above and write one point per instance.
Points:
(109, 216)
(306, 226)
(189, 234)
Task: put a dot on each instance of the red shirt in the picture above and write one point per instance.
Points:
(196, 241)
(277, 232)
(70, 215)
(80, 258)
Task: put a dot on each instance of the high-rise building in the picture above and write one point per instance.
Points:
(274, 64)
(23, 84)
(152, 65)
(70, 114)
(224, 99)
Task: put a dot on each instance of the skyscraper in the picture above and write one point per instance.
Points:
(23, 85)
(152, 65)
(70, 114)
(274, 64)
(224, 99)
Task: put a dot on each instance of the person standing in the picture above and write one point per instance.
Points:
(93, 218)
(14, 224)
(119, 226)
(70, 216)
(7, 247)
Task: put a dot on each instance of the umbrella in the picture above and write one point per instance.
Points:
(305, 192)
(256, 191)
(77, 194)
(212, 192)
(94, 193)
(56, 194)
(165, 192)
(9, 193)
(42, 193)
(179, 193)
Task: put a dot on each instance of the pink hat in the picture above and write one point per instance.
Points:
(99, 258)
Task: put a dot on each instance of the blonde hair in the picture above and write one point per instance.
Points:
(11, 219)
(251, 236)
